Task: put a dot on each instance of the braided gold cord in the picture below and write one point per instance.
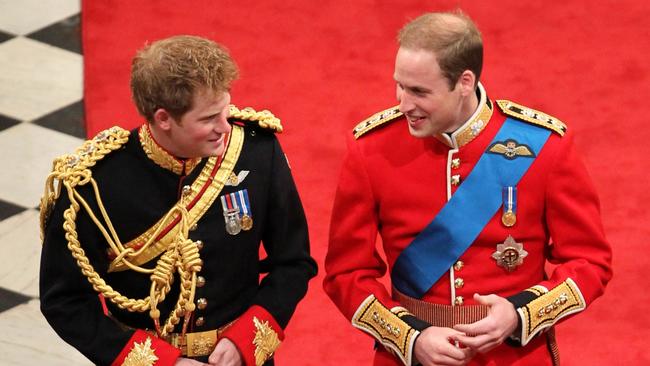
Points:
(182, 255)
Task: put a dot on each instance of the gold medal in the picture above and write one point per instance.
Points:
(246, 222)
(509, 218)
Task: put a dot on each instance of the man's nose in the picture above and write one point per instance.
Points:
(405, 102)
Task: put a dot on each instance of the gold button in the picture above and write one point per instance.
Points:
(193, 227)
(186, 190)
(199, 321)
(455, 163)
(459, 265)
(199, 244)
(201, 303)
(200, 281)
(455, 179)
(459, 282)
(458, 301)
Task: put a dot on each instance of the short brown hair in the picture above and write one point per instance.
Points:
(452, 37)
(167, 73)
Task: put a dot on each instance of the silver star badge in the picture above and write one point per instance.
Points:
(510, 254)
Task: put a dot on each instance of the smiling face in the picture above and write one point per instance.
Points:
(425, 97)
(201, 131)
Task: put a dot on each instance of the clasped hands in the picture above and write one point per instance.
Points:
(456, 346)
(224, 354)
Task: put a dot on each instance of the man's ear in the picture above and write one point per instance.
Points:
(467, 82)
(162, 119)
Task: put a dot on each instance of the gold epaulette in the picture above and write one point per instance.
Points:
(376, 120)
(74, 169)
(264, 119)
(532, 116)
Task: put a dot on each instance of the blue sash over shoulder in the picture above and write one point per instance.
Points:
(463, 218)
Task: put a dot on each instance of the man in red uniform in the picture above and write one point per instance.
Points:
(471, 197)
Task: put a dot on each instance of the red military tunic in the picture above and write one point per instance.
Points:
(393, 184)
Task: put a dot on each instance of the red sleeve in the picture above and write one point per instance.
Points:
(256, 334)
(148, 350)
(353, 264)
(579, 249)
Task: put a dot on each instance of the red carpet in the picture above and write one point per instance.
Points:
(322, 67)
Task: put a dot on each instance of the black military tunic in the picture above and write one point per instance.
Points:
(138, 185)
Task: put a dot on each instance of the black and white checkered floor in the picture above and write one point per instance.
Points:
(41, 116)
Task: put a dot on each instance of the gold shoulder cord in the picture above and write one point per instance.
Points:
(182, 255)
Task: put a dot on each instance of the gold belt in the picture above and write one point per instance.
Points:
(441, 315)
(197, 343)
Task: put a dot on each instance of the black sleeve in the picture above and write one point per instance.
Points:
(286, 241)
(68, 301)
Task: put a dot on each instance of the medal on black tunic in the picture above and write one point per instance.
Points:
(230, 214)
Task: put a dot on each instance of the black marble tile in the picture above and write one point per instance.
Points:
(10, 299)
(65, 34)
(8, 209)
(4, 36)
(69, 120)
(6, 122)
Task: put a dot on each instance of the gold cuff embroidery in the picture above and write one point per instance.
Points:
(266, 341)
(548, 309)
(141, 355)
(392, 332)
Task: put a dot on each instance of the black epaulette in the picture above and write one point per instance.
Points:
(376, 120)
(532, 116)
(248, 115)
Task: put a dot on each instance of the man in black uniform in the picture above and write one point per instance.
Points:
(151, 238)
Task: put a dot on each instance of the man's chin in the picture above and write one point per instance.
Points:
(417, 133)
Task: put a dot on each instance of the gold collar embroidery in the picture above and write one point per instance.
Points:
(161, 157)
(474, 125)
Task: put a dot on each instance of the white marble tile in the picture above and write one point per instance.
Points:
(27, 151)
(26, 16)
(21, 247)
(36, 78)
(28, 340)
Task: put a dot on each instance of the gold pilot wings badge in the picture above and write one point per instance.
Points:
(511, 149)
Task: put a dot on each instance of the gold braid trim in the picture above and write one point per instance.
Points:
(395, 334)
(148, 244)
(376, 120)
(264, 119)
(182, 255)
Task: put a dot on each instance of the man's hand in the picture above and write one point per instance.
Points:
(434, 346)
(225, 354)
(188, 362)
(491, 331)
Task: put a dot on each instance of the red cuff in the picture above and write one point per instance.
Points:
(256, 335)
(144, 346)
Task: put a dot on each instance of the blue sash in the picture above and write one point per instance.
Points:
(463, 218)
